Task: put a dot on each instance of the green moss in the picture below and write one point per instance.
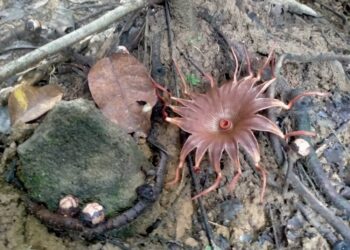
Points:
(77, 151)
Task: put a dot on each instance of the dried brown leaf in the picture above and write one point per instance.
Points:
(123, 90)
(27, 103)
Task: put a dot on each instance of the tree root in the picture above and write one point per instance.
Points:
(301, 119)
(338, 224)
(326, 232)
(312, 163)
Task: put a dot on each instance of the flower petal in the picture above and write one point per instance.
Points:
(182, 110)
(190, 144)
(261, 123)
(175, 120)
(249, 143)
(215, 152)
(258, 90)
(246, 84)
(265, 103)
(232, 151)
(183, 101)
(188, 125)
(214, 101)
(201, 149)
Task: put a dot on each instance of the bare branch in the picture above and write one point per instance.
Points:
(53, 47)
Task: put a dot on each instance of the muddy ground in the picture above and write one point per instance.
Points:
(199, 29)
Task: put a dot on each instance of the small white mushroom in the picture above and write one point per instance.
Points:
(302, 147)
(122, 49)
(93, 213)
(68, 206)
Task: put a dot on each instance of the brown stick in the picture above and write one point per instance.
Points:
(325, 231)
(53, 47)
(302, 122)
(337, 223)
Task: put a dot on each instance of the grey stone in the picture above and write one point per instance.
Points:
(5, 123)
(77, 151)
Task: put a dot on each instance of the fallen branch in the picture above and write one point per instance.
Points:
(333, 220)
(338, 224)
(274, 227)
(301, 120)
(53, 47)
(311, 217)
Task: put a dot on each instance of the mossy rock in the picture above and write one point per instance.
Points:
(77, 151)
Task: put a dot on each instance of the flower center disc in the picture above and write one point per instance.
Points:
(225, 124)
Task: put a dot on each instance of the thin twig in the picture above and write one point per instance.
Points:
(341, 16)
(311, 217)
(302, 122)
(171, 48)
(307, 178)
(203, 212)
(334, 136)
(294, 181)
(305, 193)
(338, 224)
(53, 47)
(288, 172)
(146, 38)
(200, 70)
(274, 228)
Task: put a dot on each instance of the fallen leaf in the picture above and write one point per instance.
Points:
(122, 88)
(27, 103)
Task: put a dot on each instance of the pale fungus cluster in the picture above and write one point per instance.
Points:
(92, 214)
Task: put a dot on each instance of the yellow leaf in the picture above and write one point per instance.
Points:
(20, 97)
(27, 103)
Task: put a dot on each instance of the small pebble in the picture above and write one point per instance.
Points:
(191, 242)
(229, 210)
(341, 245)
